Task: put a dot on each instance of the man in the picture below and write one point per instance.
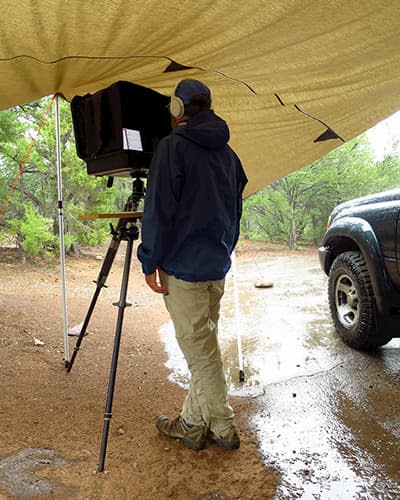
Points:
(190, 227)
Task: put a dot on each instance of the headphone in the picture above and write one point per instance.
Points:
(176, 106)
(189, 92)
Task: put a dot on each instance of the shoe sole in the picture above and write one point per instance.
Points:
(188, 443)
(227, 445)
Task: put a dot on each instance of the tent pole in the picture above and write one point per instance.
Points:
(237, 318)
(61, 231)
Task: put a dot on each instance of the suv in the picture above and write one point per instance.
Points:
(360, 253)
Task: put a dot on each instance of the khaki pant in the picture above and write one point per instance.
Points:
(194, 310)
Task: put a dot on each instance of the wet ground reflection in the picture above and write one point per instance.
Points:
(18, 478)
(328, 416)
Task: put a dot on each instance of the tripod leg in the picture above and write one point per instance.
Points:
(114, 362)
(100, 283)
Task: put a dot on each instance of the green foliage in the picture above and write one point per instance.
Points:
(37, 186)
(33, 231)
(388, 172)
(295, 209)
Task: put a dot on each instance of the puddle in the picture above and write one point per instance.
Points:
(329, 416)
(322, 443)
(279, 328)
(18, 473)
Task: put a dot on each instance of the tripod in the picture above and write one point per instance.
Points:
(128, 231)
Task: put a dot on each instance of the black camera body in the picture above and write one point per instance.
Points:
(117, 129)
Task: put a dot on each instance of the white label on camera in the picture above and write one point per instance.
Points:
(132, 139)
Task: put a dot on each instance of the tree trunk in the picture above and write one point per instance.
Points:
(292, 230)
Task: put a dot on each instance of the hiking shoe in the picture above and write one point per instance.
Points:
(191, 436)
(229, 441)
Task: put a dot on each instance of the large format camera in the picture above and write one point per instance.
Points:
(118, 128)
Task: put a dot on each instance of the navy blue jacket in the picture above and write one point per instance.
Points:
(193, 202)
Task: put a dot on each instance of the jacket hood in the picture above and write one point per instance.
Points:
(205, 129)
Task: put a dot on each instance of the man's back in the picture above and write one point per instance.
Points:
(195, 200)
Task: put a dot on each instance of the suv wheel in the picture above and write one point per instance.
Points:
(351, 302)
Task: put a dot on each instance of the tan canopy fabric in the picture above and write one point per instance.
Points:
(283, 72)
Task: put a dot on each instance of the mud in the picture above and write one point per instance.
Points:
(43, 407)
(317, 419)
(18, 473)
(327, 417)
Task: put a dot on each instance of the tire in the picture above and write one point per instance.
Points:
(351, 302)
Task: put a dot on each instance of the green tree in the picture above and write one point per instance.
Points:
(33, 231)
(295, 208)
(35, 196)
(10, 129)
(388, 172)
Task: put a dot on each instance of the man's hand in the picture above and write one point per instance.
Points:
(153, 280)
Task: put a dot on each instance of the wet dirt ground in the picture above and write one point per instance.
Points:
(51, 422)
(318, 420)
(328, 417)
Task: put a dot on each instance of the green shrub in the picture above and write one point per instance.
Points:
(33, 232)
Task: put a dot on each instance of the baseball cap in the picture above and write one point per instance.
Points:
(186, 89)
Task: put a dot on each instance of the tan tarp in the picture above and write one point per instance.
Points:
(282, 71)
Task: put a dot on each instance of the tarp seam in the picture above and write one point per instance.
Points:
(122, 58)
(328, 134)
